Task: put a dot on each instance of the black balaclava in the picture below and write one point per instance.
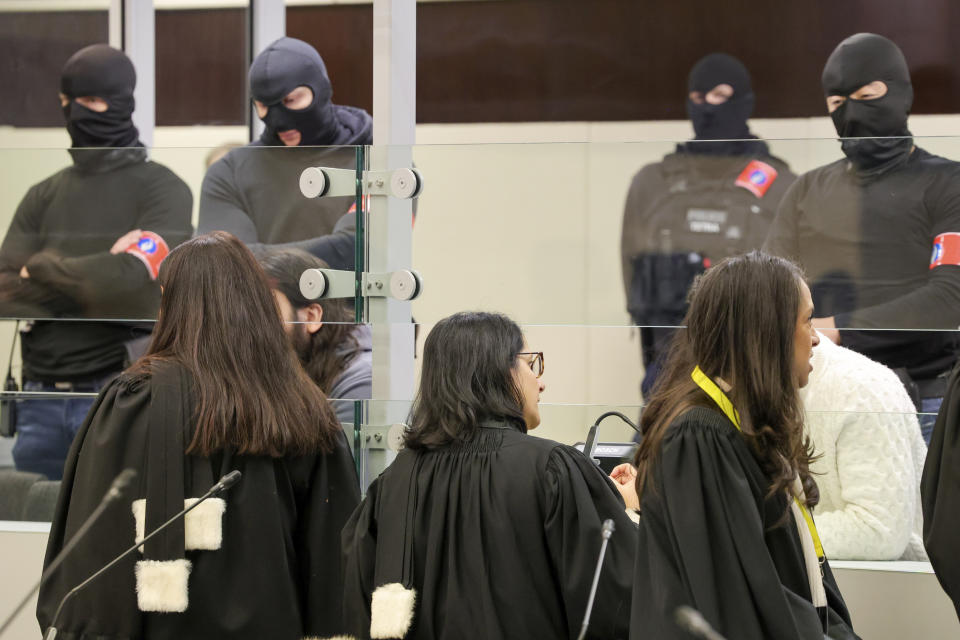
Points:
(289, 63)
(858, 61)
(727, 121)
(104, 72)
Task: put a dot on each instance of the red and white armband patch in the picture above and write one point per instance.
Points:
(946, 250)
(756, 178)
(150, 249)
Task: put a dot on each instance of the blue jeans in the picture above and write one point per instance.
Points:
(46, 428)
(929, 407)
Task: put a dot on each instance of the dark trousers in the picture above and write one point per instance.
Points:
(46, 426)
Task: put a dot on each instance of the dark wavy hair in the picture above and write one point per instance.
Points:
(331, 349)
(218, 319)
(740, 327)
(466, 378)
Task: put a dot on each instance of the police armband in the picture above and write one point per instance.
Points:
(946, 250)
(756, 178)
(150, 249)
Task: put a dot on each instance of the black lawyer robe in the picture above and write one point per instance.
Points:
(710, 540)
(277, 572)
(505, 535)
(940, 494)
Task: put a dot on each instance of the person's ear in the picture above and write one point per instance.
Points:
(312, 317)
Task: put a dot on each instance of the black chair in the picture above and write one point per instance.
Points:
(41, 501)
(14, 486)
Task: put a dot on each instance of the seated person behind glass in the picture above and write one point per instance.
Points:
(714, 197)
(336, 353)
(869, 457)
(87, 243)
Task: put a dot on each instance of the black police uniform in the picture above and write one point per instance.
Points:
(681, 215)
(864, 227)
(254, 193)
(714, 197)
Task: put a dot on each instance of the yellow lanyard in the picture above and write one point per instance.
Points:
(717, 395)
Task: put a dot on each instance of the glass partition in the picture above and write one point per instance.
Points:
(532, 230)
(592, 249)
(82, 235)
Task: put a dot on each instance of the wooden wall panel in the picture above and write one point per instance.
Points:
(514, 60)
(201, 67)
(33, 49)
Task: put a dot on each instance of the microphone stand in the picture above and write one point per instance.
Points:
(606, 531)
(115, 492)
(225, 483)
(590, 444)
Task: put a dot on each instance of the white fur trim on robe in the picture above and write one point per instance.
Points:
(391, 611)
(633, 515)
(203, 526)
(162, 585)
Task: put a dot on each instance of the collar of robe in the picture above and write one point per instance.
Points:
(503, 423)
(809, 538)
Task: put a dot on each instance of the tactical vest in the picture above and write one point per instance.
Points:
(713, 207)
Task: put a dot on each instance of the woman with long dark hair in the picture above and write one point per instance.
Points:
(723, 469)
(479, 530)
(219, 389)
(337, 354)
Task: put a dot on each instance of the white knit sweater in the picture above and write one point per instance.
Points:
(864, 427)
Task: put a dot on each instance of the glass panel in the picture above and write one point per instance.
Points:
(592, 249)
(614, 234)
(85, 306)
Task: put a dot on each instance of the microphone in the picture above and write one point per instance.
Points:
(117, 488)
(227, 481)
(605, 532)
(693, 622)
(591, 443)
(223, 484)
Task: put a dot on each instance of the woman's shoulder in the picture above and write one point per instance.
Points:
(698, 419)
(537, 450)
(142, 379)
(700, 427)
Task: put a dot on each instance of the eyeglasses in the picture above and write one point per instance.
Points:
(535, 361)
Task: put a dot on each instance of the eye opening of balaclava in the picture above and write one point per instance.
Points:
(874, 132)
(726, 121)
(103, 72)
(283, 66)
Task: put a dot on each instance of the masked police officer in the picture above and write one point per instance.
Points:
(714, 197)
(87, 243)
(864, 227)
(253, 192)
